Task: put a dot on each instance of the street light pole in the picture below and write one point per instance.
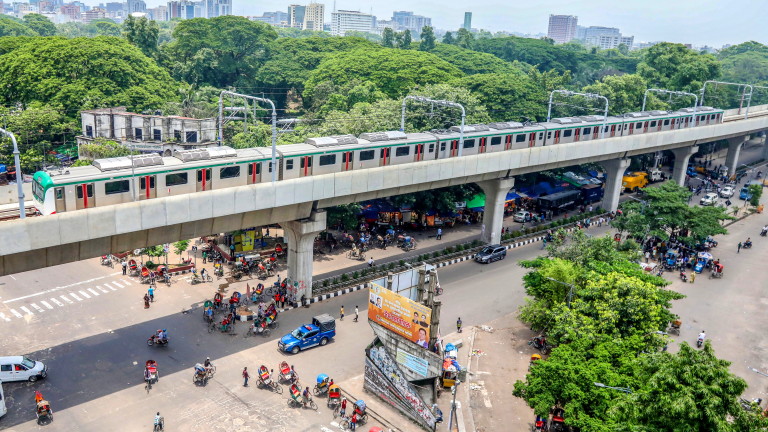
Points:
(453, 404)
(19, 175)
(433, 102)
(744, 94)
(675, 93)
(586, 95)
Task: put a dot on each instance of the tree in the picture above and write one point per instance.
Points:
(509, 96)
(756, 191)
(394, 72)
(665, 213)
(180, 247)
(143, 33)
(222, 51)
(448, 39)
(473, 62)
(38, 129)
(14, 27)
(102, 148)
(40, 24)
(625, 93)
(427, 39)
(83, 73)
(388, 38)
(102, 27)
(673, 66)
(344, 216)
(465, 38)
(404, 41)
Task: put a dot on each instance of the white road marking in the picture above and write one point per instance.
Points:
(66, 299)
(110, 287)
(484, 392)
(58, 303)
(117, 283)
(46, 304)
(57, 288)
(18, 315)
(93, 291)
(2, 315)
(39, 309)
(12, 277)
(27, 311)
(84, 294)
(101, 289)
(126, 282)
(74, 296)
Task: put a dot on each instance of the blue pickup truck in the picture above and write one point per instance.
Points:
(320, 332)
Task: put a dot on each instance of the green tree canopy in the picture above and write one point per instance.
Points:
(404, 41)
(427, 39)
(392, 71)
(675, 67)
(222, 51)
(473, 62)
(143, 33)
(40, 24)
(509, 96)
(388, 38)
(13, 27)
(625, 94)
(83, 73)
(465, 38)
(448, 38)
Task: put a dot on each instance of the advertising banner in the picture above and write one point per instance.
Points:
(399, 314)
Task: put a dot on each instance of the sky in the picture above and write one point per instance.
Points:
(699, 22)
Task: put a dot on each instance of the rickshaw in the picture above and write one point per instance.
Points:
(356, 254)
(265, 380)
(144, 275)
(334, 397)
(201, 375)
(286, 373)
(154, 376)
(235, 299)
(217, 300)
(279, 251)
(258, 327)
(534, 359)
(674, 327)
(362, 415)
(106, 260)
(257, 292)
(227, 325)
(298, 399)
(208, 312)
(408, 243)
(717, 271)
(44, 411)
(323, 382)
(133, 267)
(271, 316)
(237, 272)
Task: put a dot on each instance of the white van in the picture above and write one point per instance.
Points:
(19, 368)
(3, 409)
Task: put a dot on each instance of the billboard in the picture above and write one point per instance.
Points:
(399, 314)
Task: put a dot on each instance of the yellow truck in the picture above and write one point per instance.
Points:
(635, 181)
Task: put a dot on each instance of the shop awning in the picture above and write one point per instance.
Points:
(512, 196)
(476, 201)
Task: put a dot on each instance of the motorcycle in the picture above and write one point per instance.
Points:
(699, 342)
(747, 245)
(683, 276)
(155, 340)
(763, 232)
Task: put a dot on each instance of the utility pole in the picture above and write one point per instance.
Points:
(586, 95)
(19, 175)
(434, 102)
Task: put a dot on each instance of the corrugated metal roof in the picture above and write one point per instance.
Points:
(125, 162)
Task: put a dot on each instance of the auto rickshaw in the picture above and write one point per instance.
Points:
(322, 385)
(334, 396)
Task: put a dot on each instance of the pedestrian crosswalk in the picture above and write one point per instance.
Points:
(62, 300)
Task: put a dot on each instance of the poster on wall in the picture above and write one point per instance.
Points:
(385, 379)
(399, 314)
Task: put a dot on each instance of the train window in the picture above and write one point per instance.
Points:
(258, 168)
(269, 167)
(541, 135)
(191, 136)
(116, 187)
(469, 143)
(653, 123)
(442, 146)
(666, 122)
(639, 126)
(79, 192)
(519, 138)
(151, 183)
(327, 159)
(367, 155)
(175, 179)
(431, 148)
(289, 164)
(157, 134)
(625, 127)
(712, 117)
(402, 151)
(567, 133)
(229, 172)
(549, 135)
(587, 131)
(138, 133)
(59, 193)
(606, 129)
(496, 140)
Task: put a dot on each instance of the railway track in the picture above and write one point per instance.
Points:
(13, 213)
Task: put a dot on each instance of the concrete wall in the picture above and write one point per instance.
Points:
(9, 193)
(67, 237)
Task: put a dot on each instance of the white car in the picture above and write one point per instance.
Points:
(522, 216)
(19, 368)
(727, 192)
(709, 199)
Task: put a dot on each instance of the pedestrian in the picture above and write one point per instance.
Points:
(151, 292)
(738, 250)
(246, 375)
(125, 267)
(159, 422)
(353, 422)
(370, 262)
(357, 314)
(146, 301)
(343, 410)
(647, 256)
(439, 233)
(458, 325)
(342, 313)
(693, 276)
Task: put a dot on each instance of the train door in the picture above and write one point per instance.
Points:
(577, 135)
(659, 125)
(613, 130)
(481, 149)
(595, 131)
(348, 160)
(508, 142)
(306, 166)
(58, 196)
(147, 187)
(557, 137)
(532, 139)
(631, 128)
(385, 156)
(645, 127)
(85, 198)
(204, 180)
(454, 148)
(254, 172)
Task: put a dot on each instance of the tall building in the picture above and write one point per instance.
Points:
(314, 17)
(467, 20)
(562, 28)
(603, 37)
(224, 7)
(94, 14)
(159, 13)
(296, 14)
(277, 18)
(407, 20)
(70, 10)
(344, 21)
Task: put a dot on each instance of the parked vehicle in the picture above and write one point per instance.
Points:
(560, 201)
(727, 192)
(591, 193)
(491, 253)
(320, 332)
(635, 181)
(3, 409)
(709, 199)
(745, 193)
(655, 175)
(20, 368)
(522, 216)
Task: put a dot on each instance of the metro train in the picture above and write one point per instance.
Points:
(125, 179)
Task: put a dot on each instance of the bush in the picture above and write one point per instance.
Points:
(391, 265)
(459, 248)
(336, 280)
(435, 254)
(344, 277)
(150, 265)
(365, 271)
(325, 282)
(355, 275)
(401, 263)
(475, 243)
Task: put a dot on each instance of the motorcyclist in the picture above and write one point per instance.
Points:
(701, 338)
(147, 375)
(683, 276)
(162, 336)
(748, 243)
(764, 231)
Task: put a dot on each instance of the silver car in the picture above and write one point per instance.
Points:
(709, 199)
